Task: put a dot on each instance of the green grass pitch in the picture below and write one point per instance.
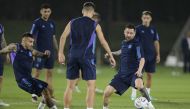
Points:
(172, 90)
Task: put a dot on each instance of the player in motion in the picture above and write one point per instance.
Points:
(22, 60)
(130, 71)
(82, 32)
(149, 38)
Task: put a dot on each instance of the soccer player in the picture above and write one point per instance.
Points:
(148, 37)
(43, 29)
(3, 44)
(22, 60)
(82, 33)
(130, 71)
(96, 18)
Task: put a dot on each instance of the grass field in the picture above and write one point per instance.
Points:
(172, 90)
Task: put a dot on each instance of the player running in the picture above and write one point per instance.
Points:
(148, 37)
(82, 32)
(3, 44)
(130, 71)
(22, 60)
(43, 29)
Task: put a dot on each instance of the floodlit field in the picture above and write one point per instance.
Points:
(171, 89)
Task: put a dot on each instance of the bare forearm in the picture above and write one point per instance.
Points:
(3, 44)
(55, 43)
(117, 53)
(141, 64)
(157, 47)
(8, 49)
(37, 53)
(107, 48)
(62, 44)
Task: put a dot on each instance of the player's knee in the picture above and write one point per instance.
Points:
(49, 73)
(149, 76)
(139, 84)
(108, 91)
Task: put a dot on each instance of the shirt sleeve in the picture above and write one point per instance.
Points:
(156, 36)
(35, 29)
(139, 51)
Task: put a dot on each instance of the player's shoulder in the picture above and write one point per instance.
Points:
(37, 20)
(139, 26)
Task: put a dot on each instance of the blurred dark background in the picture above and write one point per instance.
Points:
(169, 17)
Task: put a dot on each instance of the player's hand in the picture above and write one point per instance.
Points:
(158, 59)
(47, 53)
(139, 73)
(112, 61)
(106, 55)
(61, 58)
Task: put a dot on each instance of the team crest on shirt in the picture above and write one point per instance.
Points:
(43, 26)
(51, 25)
(152, 31)
(142, 31)
(30, 54)
(129, 46)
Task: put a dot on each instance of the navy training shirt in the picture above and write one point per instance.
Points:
(131, 53)
(43, 32)
(22, 61)
(147, 36)
(82, 37)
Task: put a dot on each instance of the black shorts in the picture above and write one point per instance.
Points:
(40, 63)
(122, 83)
(32, 85)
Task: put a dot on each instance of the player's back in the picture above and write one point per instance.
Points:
(22, 61)
(82, 37)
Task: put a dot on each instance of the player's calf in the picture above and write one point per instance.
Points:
(107, 93)
(46, 100)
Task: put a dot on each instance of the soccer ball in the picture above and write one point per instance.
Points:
(141, 102)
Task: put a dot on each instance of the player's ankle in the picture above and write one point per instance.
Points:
(54, 107)
(105, 107)
(89, 108)
(66, 108)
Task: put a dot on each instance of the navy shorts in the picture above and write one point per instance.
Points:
(40, 62)
(32, 85)
(150, 66)
(122, 83)
(87, 67)
(1, 65)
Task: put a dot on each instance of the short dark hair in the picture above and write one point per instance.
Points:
(27, 34)
(88, 5)
(96, 15)
(45, 6)
(130, 26)
(147, 13)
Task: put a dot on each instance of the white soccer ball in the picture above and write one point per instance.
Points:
(141, 102)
